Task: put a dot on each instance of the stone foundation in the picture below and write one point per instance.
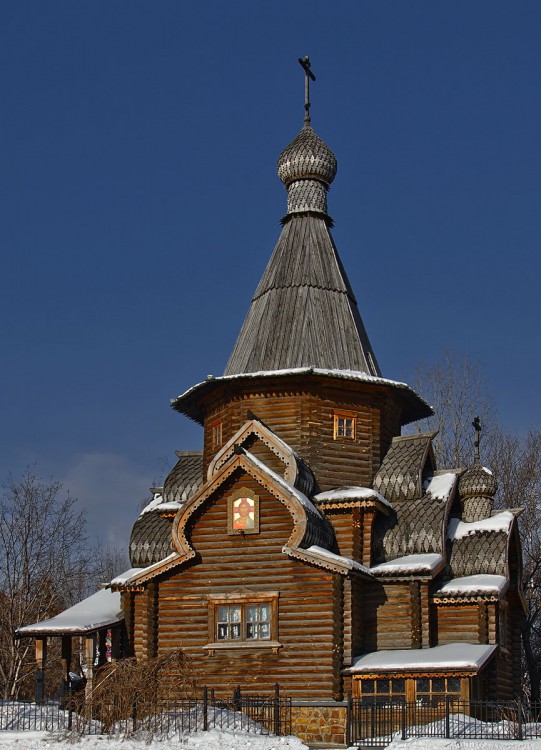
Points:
(313, 723)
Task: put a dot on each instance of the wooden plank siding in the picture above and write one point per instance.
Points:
(310, 604)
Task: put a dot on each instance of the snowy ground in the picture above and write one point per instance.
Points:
(429, 743)
(235, 732)
(215, 740)
(211, 740)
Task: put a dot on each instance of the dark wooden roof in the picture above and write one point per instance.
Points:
(150, 539)
(304, 312)
(185, 478)
(192, 402)
(400, 476)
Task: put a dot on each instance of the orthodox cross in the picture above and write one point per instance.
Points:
(305, 63)
(477, 427)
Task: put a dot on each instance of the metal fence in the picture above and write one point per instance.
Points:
(374, 723)
(254, 714)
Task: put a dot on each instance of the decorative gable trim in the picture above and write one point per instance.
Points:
(296, 473)
(310, 528)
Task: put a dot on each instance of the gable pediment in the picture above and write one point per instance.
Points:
(254, 434)
(309, 528)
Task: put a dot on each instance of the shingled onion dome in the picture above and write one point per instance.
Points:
(477, 486)
(307, 167)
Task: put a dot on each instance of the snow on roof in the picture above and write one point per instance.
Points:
(100, 610)
(338, 559)
(123, 577)
(351, 493)
(440, 486)
(407, 565)
(449, 657)
(344, 374)
(301, 497)
(478, 584)
(157, 504)
(458, 529)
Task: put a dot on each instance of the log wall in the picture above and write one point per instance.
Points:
(310, 626)
(387, 616)
(301, 412)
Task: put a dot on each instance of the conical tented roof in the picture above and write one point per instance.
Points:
(304, 312)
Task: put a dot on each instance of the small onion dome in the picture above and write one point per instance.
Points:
(307, 158)
(477, 482)
(477, 488)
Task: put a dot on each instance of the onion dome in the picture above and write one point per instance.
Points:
(307, 167)
(477, 487)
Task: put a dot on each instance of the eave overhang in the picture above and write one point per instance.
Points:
(190, 403)
(451, 658)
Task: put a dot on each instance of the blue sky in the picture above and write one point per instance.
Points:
(139, 206)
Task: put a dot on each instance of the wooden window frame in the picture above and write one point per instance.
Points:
(410, 684)
(344, 416)
(217, 434)
(242, 600)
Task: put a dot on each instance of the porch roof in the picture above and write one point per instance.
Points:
(101, 610)
(448, 658)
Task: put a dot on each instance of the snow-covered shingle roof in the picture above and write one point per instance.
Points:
(459, 529)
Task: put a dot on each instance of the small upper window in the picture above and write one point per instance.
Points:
(344, 426)
(217, 434)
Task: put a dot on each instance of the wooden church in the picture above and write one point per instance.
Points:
(310, 543)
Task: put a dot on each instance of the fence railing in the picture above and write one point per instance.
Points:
(374, 722)
(256, 714)
(369, 722)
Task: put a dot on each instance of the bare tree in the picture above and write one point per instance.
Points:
(517, 465)
(45, 566)
(457, 389)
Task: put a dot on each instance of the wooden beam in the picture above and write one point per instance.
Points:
(41, 657)
(90, 649)
(66, 662)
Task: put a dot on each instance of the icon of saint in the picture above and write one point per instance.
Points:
(243, 514)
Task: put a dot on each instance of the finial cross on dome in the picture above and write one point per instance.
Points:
(305, 63)
(477, 427)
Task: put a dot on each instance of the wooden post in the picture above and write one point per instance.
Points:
(115, 643)
(41, 657)
(90, 648)
(102, 647)
(277, 728)
(205, 709)
(66, 663)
